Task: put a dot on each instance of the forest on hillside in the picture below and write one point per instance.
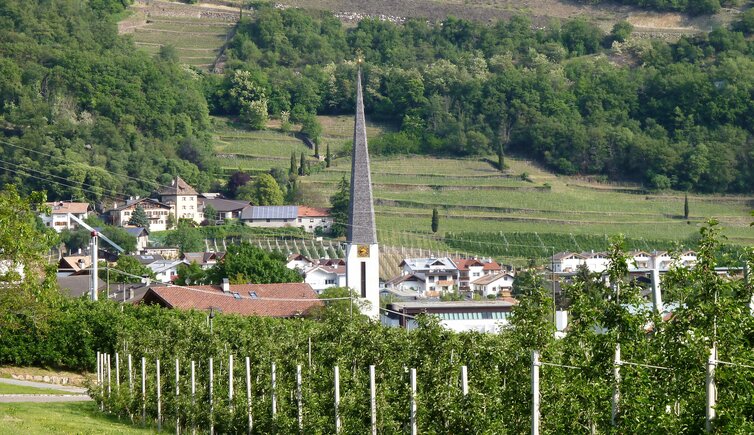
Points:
(669, 115)
(84, 114)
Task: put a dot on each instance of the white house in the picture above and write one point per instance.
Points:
(311, 218)
(156, 211)
(470, 269)
(205, 260)
(299, 262)
(481, 316)
(323, 276)
(568, 262)
(182, 199)
(493, 284)
(59, 218)
(439, 275)
(166, 270)
(142, 237)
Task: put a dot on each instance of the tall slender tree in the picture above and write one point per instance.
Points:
(686, 206)
(328, 157)
(435, 220)
(293, 169)
(500, 158)
(302, 165)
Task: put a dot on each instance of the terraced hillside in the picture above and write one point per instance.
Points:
(197, 32)
(471, 195)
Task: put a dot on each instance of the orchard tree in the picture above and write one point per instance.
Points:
(27, 282)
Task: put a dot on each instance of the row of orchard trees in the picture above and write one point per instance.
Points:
(668, 397)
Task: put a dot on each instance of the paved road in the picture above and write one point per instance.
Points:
(77, 394)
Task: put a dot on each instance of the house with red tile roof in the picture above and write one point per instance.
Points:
(309, 218)
(471, 269)
(59, 218)
(269, 300)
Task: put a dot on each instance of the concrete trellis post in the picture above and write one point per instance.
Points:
(248, 394)
(177, 393)
(130, 375)
(144, 390)
(464, 380)
(230, 381)
(99, 367)
(109, 377)
(373, 399)
(414, 429)
(535, 392)
(299, 399)
(337, 399)
(193, 391)
(117, 372)
(616, 390)
(211, 402)
(711, 389)
(159, 397)
(274, 396)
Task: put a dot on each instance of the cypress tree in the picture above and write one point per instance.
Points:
(435, 220)
(293, 170)
(500, 158)
(302, 165)
(686, 207)
(328, 157)
(316, 147)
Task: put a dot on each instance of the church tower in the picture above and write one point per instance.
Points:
(362, 253)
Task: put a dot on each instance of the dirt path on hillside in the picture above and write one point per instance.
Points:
(78, 394)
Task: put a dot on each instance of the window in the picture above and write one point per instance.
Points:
(311, 220)
(363, 279)
(267, 221)
(300, 220)
(329, 281)
(184, 207)
(476, 273)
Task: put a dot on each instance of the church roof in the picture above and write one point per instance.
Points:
(361, 223)
(177, 187)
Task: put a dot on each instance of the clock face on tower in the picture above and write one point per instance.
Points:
(362, 251)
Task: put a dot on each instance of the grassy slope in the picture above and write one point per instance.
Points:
(472, 195)
(60, 418)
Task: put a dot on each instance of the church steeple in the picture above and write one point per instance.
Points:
(362, 252)
(361, 224)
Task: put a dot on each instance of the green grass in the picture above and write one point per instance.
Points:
(473, 196)
(61, 418)
(22, 389)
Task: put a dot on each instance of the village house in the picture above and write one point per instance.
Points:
(311, 218)
(141, 235)
(270, 300)
(299, 262)
(481, 316)
(639, 261)
(166, 270)
(493, 284)
(431, 277)
(205, 260)
(224, 208)
(326, 273)
(59, 218)
(470, 269)
(270, 216)
(182, 199)
(156, 211)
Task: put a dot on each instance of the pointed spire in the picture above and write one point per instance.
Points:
(361, 228)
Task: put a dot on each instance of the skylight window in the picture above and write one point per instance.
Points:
(253, 295)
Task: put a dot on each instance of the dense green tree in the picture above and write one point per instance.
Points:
(302, 166)
(293, 168)
(328, 157)
(130, 265)
(339, 203)
(191, 274)
(27, 282)
(186, 238)
(264, 191)
(210, 214)
(245, 263)
(686, 206)
(435, 220)
(139, 218)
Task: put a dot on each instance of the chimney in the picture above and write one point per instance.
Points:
(226, 285)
